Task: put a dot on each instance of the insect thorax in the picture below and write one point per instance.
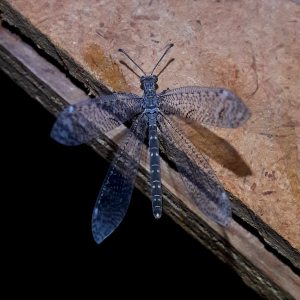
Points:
(149, 96)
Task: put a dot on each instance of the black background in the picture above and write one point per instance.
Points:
(51, 194)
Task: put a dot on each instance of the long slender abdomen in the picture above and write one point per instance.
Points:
(155, 170)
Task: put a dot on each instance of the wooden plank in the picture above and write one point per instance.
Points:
(177, 193)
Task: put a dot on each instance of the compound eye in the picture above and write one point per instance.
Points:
(142, 78)
(155, 78)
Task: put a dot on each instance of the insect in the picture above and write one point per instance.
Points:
(82, 122)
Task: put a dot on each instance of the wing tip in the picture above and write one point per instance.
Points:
(97, 239)
(245, 117)
(227, 222)
(63, 137)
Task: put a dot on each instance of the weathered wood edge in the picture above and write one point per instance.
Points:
(14, 18)
(269, 235)
(198, 228)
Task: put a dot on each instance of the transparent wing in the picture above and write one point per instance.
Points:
(82, 122)
(115, 194)
(199, 179)
(212, 106)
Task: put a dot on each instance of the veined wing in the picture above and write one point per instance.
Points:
(199, 179)
(212, 106)
(115, 194)
(80, 123)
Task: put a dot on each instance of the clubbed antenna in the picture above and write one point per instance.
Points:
(121, 50)
(170, 46)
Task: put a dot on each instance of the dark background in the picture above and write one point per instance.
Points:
(51, 194)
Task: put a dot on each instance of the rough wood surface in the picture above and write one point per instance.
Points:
(249, 52)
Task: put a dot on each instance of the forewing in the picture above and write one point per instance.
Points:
(199, 179)
(115, 194)
(212, 106)
(80, 123)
